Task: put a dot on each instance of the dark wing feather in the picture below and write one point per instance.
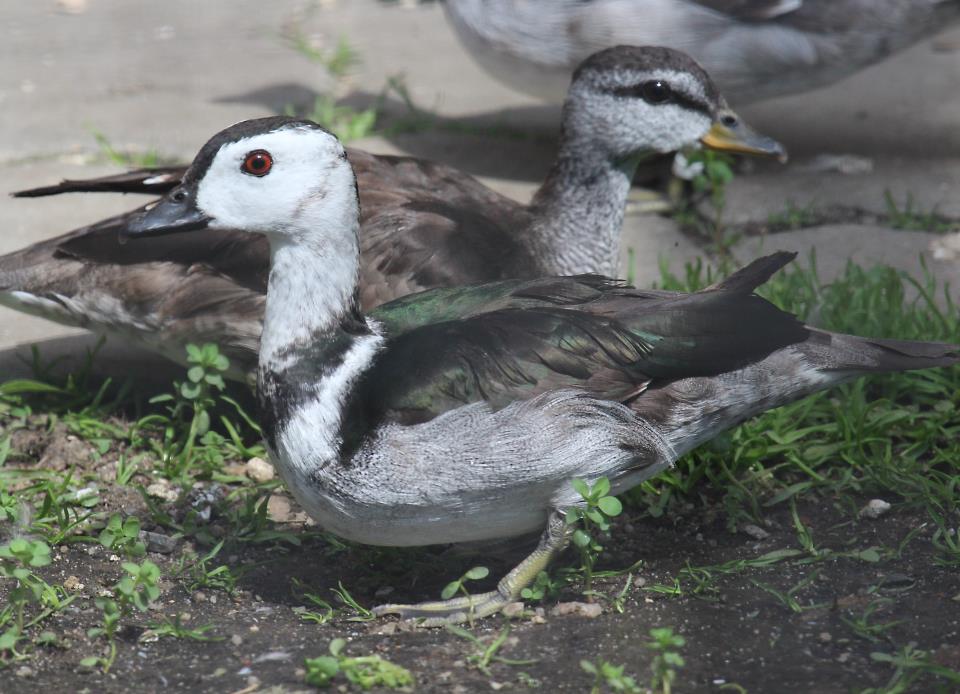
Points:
(238, 256)
(501, 357)
(611, 342)
(428, 225)
(152, 181)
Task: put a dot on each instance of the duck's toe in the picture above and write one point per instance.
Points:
(438, 613)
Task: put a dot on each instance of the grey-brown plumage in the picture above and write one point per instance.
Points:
(755, 49)
(424, 225)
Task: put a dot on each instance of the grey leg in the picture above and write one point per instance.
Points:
(457, 610)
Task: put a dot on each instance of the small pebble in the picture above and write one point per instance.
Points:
(513, 609)
(387, 629)
(158, 542)
(874, 509)
(826, 637)
(24, 671)
(754, 531)
(278, 508)
(581, 609)
(272, 656)
(72, 584)
(259, 470)
(236, 640)
(162, 490)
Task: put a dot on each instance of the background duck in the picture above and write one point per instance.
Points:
(755, 49)
(424, 225)
(471, 424)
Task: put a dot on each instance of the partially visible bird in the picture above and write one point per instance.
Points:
(424, 224)
(465, 414)
(755, 49)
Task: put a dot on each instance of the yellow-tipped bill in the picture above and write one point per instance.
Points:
(730, 134)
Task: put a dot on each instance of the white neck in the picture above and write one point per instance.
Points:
(313, 280)
(315, 342)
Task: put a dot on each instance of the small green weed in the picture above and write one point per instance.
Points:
(546, 586)
(862, 626)
(360, 613)
(175, 629)
(199, 572)
(126, 159)
(610, 676)
(788, 598)
(349, 610)
(593, 519)
(64, 509)
(665, 644)
(459, 585)
(123, 536)
(487, 650)
(366, 672)
(714, 172)
(793, 217)
(174, 436)
(134, 591)
(346, 122)
(909, 218)
(18, 558)
(912, 667)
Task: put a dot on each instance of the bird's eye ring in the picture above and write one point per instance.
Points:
(655, 92)
(257, 163)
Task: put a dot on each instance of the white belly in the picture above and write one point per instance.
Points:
(470, 474)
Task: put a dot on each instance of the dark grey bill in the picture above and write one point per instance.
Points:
(174, 213)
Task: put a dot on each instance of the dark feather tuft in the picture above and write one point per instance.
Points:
(747, 279)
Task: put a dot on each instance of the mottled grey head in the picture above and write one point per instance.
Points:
(630, 100)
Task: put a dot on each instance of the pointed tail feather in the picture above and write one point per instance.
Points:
(151, 181)
(748, 278)
(855, 355)
(690, 411)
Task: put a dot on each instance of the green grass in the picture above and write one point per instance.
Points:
(894, 434)
(910, 218)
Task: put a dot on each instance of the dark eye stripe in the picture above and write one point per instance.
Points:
(635, 91)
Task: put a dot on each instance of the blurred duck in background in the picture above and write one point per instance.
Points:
(754, 49)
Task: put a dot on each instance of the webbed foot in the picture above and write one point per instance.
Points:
(455, 611)
(465, 609)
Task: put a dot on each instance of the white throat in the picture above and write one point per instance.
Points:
(311, 287)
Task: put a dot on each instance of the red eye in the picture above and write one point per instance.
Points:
(257, 163)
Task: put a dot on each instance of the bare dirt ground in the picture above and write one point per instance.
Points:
(737, 630)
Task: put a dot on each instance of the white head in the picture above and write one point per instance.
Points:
(278, 176)
(629, 100)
